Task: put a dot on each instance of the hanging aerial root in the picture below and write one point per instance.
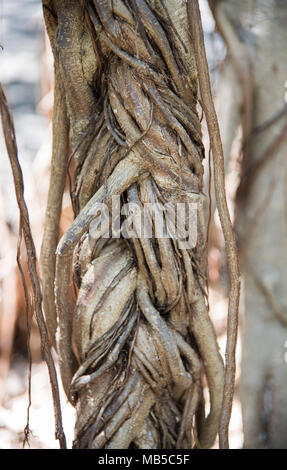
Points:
(231, 248)
(54, 205)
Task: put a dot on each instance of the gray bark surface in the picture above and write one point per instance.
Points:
(256, 34)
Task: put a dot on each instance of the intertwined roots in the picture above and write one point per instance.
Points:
(135, 347)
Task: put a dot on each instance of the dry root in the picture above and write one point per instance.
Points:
(135, 346)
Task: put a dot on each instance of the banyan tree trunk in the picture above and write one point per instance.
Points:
(129, 314)
(256, 35)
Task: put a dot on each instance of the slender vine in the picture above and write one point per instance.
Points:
(25, 230)
(230, 243)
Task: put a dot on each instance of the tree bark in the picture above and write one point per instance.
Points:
(255, 33)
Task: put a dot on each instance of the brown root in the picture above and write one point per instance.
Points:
(134, 348)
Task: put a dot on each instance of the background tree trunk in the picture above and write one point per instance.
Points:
(256, 36)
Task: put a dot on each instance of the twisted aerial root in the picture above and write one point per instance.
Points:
(136, 343)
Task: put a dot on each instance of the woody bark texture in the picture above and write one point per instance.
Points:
(137, 341)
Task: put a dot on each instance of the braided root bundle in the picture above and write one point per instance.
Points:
(137, 343)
